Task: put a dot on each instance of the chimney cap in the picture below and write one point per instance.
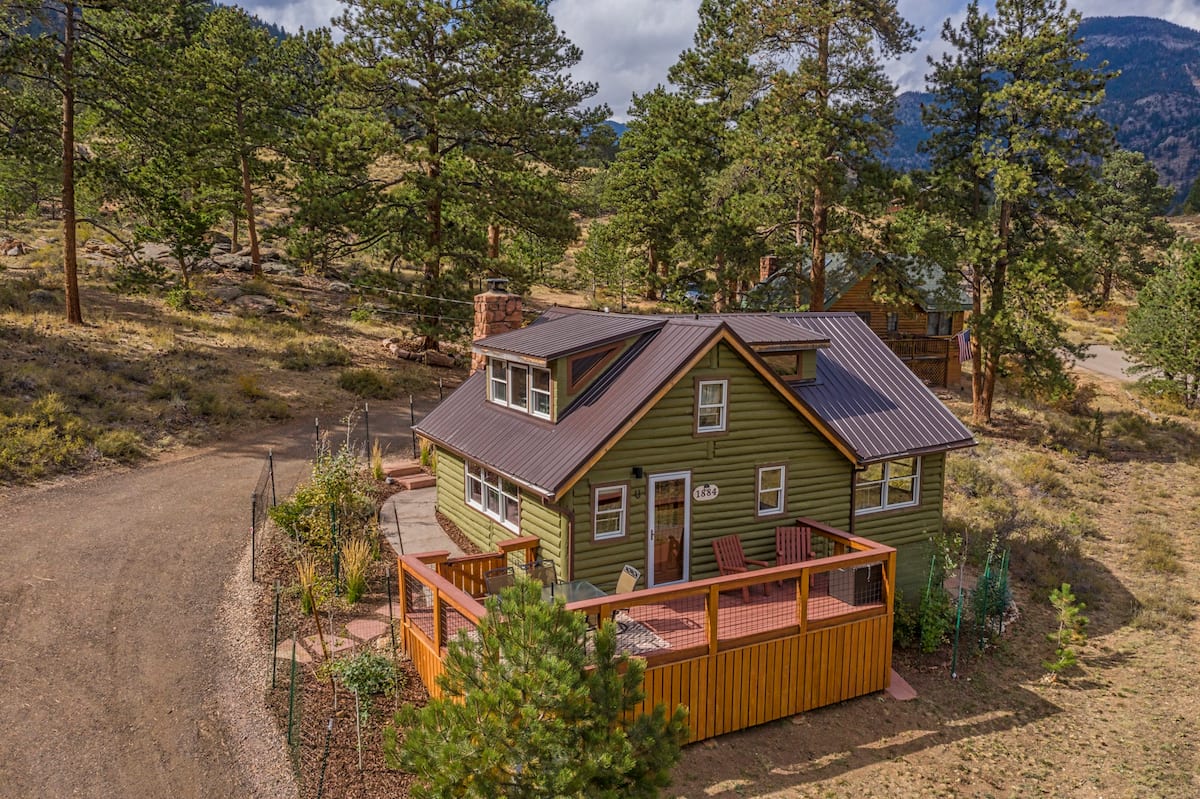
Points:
(497, 285)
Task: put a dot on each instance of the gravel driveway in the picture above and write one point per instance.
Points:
(110, 591)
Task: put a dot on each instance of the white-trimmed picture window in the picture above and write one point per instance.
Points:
(494, 496)
(772, 483)
(610, 507)
(539, 392)
(712, 400)
(888, 485)
(498, 381)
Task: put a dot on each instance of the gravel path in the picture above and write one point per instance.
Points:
(120, 673)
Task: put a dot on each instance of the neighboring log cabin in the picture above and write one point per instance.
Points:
(904, 304)
(621, 439)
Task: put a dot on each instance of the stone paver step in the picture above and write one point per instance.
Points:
(336, 643)
(417, 481)
(284, 652)
(366, 629)
(899, 689)
(382, 610)
(397, 470)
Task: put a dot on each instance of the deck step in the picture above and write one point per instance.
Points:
(406, 469)
(416, 481)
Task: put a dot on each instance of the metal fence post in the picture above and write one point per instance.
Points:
(325, 758)
(333, 530)
(253, 534)
(271, 469)
(367, 428)
(292, 692)
(412, 422)
(317, 427)
(275, 637)
(391, 621)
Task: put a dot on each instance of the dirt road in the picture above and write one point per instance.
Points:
(109, 592)
(1107, 361)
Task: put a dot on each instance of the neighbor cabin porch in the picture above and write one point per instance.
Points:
(807, 635)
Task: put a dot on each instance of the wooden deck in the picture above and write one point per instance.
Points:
(812, 634)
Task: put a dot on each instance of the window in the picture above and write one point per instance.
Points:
(518, 386)
(893, 322)
(539, 392)
(772, 481)
(893, 484)
(711, 396)
(865, 316)
(496, 497)
(498, 380)
(608, 515)
(938, 323)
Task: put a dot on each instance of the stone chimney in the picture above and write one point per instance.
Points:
(496, 311)
(768, 265)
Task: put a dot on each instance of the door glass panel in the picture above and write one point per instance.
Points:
(670, 508)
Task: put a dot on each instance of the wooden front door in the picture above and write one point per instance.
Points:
(668, 536)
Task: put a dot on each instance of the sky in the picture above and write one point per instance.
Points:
(628, 45)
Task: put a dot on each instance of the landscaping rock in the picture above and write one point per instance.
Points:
(337, 287)
(237, 263)
(225, 293)
(277, 268)
(256, 304)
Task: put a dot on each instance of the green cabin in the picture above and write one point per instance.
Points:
(626, 439)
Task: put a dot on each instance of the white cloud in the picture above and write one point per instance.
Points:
(628, 45)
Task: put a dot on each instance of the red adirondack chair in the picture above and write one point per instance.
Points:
(793, 545)
(732, 560)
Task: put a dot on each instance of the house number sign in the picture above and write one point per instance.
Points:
(703, 493)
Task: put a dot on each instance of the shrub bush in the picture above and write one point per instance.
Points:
(301, 357)
(120, 445)
(367, 384)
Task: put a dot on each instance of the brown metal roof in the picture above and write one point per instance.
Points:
(863, 393)
(541, 455)
(553, 336)
(870, 398)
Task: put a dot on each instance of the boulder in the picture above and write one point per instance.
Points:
(338, 287)
(237, 263)
(150, 251)
(225, 293)
(277, 268)
(256, 304)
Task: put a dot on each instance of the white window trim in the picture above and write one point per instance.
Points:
(493, 381)
(724, 406)
(534, 392)
(505, 497)
(513, 369)
(883, 491)
(510, 369)
(622, 514)
(781, 491)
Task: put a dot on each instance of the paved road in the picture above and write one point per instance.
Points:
(109, 590)
(1107, 361)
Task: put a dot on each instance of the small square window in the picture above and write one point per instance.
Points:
(893, 323)
(892, 484)
(608, 518)
(711, 404)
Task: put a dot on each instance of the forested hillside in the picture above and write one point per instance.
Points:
(1153, 104)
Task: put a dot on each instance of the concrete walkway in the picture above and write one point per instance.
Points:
(408, 522)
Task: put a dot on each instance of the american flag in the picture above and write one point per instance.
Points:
(964, 346)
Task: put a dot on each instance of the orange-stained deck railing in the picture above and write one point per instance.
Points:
(812, 634)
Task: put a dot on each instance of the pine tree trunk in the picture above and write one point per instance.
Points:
(996, 304)
(248, 198)
(433, 238)
(493, 239)
(233, 240)
(820, 222)
(70, 262)
(721, 301)
(652, 274)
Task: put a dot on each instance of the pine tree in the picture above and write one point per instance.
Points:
(81, 53)
(1015, 139)
(530, 710)
(483, 123)
(1163, 333)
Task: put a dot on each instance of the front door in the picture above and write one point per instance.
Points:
(668, 529)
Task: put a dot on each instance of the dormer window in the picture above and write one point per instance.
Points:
(520, 387)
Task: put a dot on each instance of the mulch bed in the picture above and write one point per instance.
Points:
(325, 744)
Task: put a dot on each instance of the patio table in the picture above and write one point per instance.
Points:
(574, 591)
